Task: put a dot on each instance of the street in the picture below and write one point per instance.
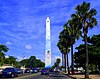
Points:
(39, 76)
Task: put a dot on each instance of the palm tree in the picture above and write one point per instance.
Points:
(68, 50)
(64, 45)
(62, 60)
(87, 20)
(74, 33)
(62, 49)
(65, 51)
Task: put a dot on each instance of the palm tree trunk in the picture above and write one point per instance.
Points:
(65, 62)
(72, 59)
(86, 56)
(62, 60)
(68, 65)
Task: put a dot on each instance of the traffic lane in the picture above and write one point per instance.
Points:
(19, 75)
(50, 76)
(36, 77)
(39, 76)
(27, 76)
(58, 76)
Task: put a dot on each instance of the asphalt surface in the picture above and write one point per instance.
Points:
(39, 76)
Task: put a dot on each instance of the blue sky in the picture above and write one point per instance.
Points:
(22, 25)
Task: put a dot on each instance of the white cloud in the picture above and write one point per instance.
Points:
(28, 47)
(8, 43)
(6, 56)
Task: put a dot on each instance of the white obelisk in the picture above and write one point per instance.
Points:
(48, 44)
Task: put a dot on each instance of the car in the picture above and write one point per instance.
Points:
(34, 70)
(20, 71)
(10, 72)
(28, 70)
(0, 74)
(57, 70)
(45, 71)
(51, 70)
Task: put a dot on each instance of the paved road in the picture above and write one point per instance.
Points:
(39, 76)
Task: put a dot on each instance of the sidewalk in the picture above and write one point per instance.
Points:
(82, 76)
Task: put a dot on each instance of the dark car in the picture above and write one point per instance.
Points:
(34, 70)
(0, 74)
(20, 71)
(10, 72)
(27, 70)
(45, 71)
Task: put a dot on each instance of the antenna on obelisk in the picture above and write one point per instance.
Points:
(48, 44)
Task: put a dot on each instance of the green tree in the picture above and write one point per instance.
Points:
(74, 33)
(39, 63)
(7, 61)
(80, 56)
(32, 62)
(60, 46)
(86, 16)
(12, 60)
(94, 53)
(2, 58)
(24, 62)
(64, 44)
(3, 49)
(57, 63)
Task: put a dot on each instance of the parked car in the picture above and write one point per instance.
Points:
(56, 70)
(0, 74)
(51, 70)
(20, 71)
(10, 72)
(45, 71)
(28, 70)
(34, 70)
